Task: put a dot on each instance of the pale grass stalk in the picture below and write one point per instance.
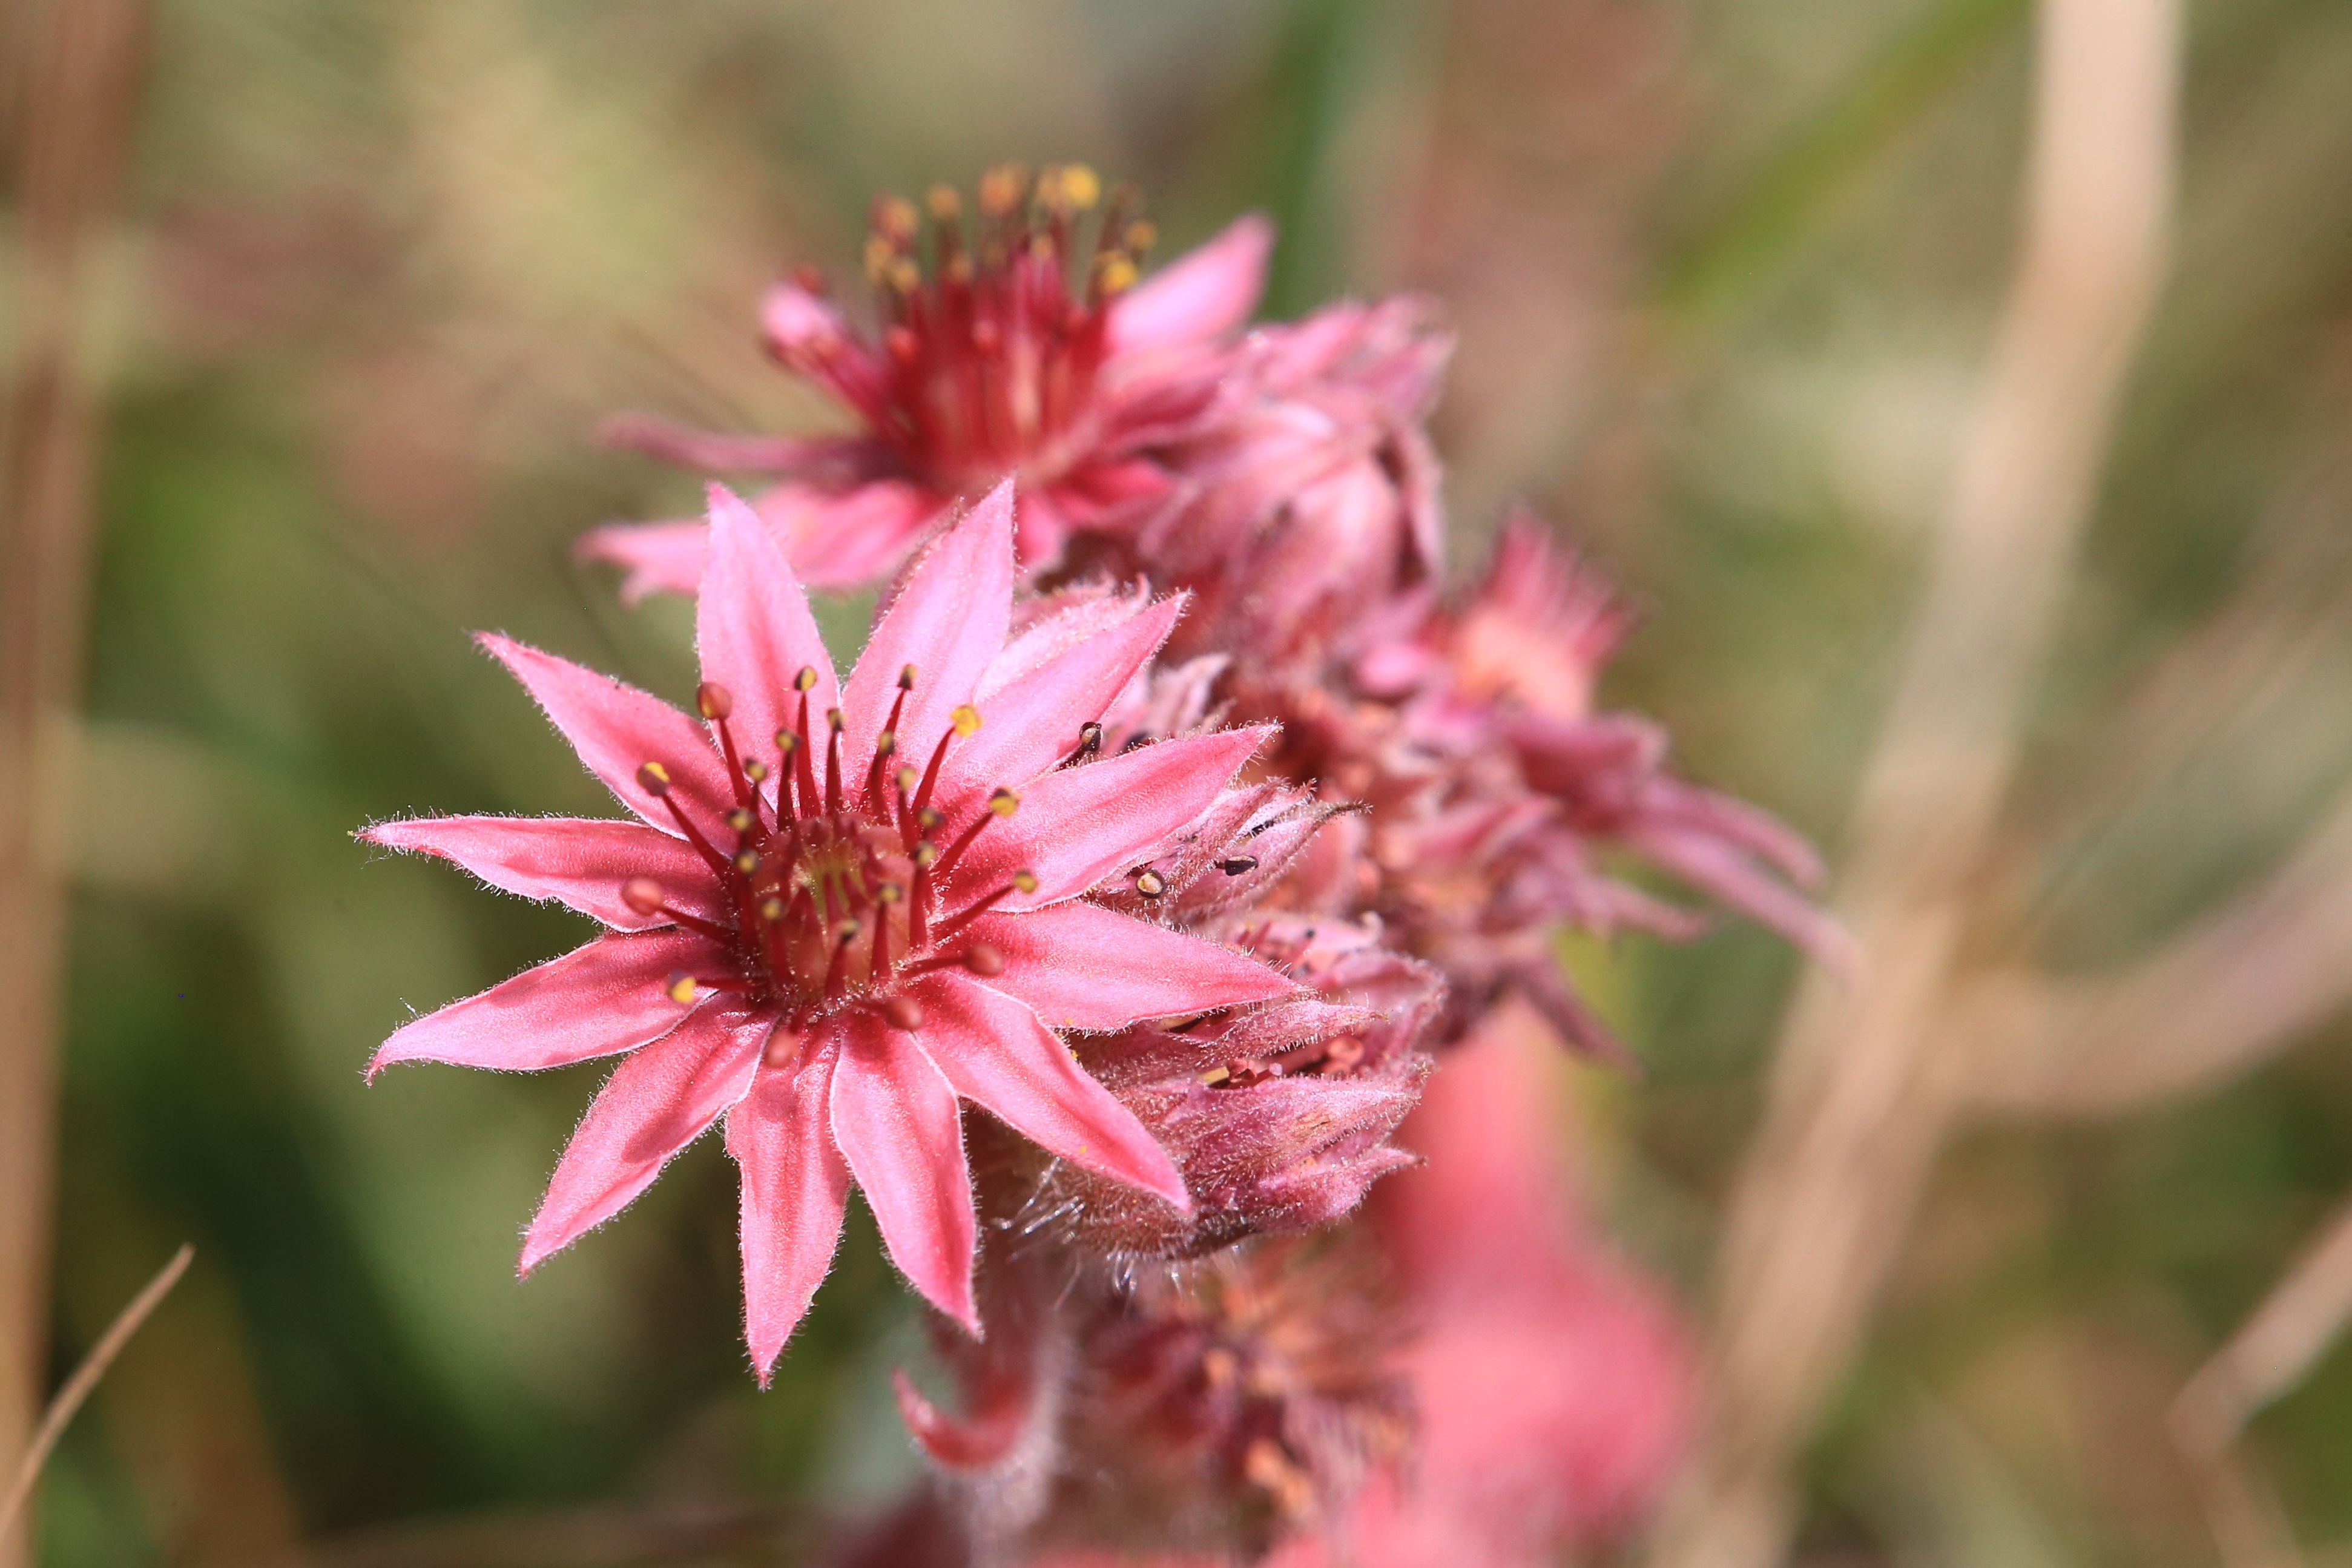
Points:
(85, 1378)
(2238, 986)
(2272, 1352)
(1858, 1101)
(73, 85)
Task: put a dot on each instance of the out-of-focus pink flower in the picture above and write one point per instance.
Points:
(1496, 786)
(1019, 350)
(844, 910)
(1308, 504)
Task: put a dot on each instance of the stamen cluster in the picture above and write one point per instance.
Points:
(837, 892)
(994, 334)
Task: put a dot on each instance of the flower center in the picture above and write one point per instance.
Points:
(834, 894)
(994, 345)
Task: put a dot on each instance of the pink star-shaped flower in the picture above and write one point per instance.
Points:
(844, 910)
(1021, 349)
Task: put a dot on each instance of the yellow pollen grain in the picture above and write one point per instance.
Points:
(1003, 803)
(966, 720)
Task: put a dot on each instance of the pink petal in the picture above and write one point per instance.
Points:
(896, 1121)
(654, 1105)
(658, 557)
(996, 1053)
(1077, 826)
(1033, 723)
(595, 1000)
(948, 621)
(713, 453)
(1081, 966)
(847, 538)
(754, 634)
(795, 1188)
(810, 334)
(616, 728)
(1204, 295)
(581, 861)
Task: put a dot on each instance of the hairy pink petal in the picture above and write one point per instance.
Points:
(1033, 723)
(948, 621)
(595, 1000)
(896, 1121)
(753, 631)
(1081, 966)
(796, 1190)
(616, 728)
(581, 861)
(654, 1105)
(1077, 826)
(997, 1053)
(1204, 295)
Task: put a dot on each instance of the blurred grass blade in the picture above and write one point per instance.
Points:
(86, 1377)
(1898, 84)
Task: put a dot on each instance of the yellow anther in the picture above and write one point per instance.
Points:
(1117, 274)
(833, 720)
(885, 742)
(771, 909)
(1003, 803)
(1216, 1076)
(1025, 881)
(945, 205)
(905, 275)
(966, 720)
(887, 893)
(787, 741)
(850, 930)
(877, 258)
(806, 679)
(1001, 188)
(1080, 186)
(741, 821)
(925, 852)
(756, 771)
(682, 989)
(1142, 235)
(894, 218)
(1150, 883)
(907, 679)
(653, 778)
(906, 775)
(748, 861)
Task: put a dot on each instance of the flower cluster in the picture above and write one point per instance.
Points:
(1178, 832)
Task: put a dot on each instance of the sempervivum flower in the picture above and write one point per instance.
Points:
(1022, 348)
(1309, 504)
(844, 908)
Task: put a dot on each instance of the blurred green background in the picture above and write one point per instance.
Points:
(1723, 275)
